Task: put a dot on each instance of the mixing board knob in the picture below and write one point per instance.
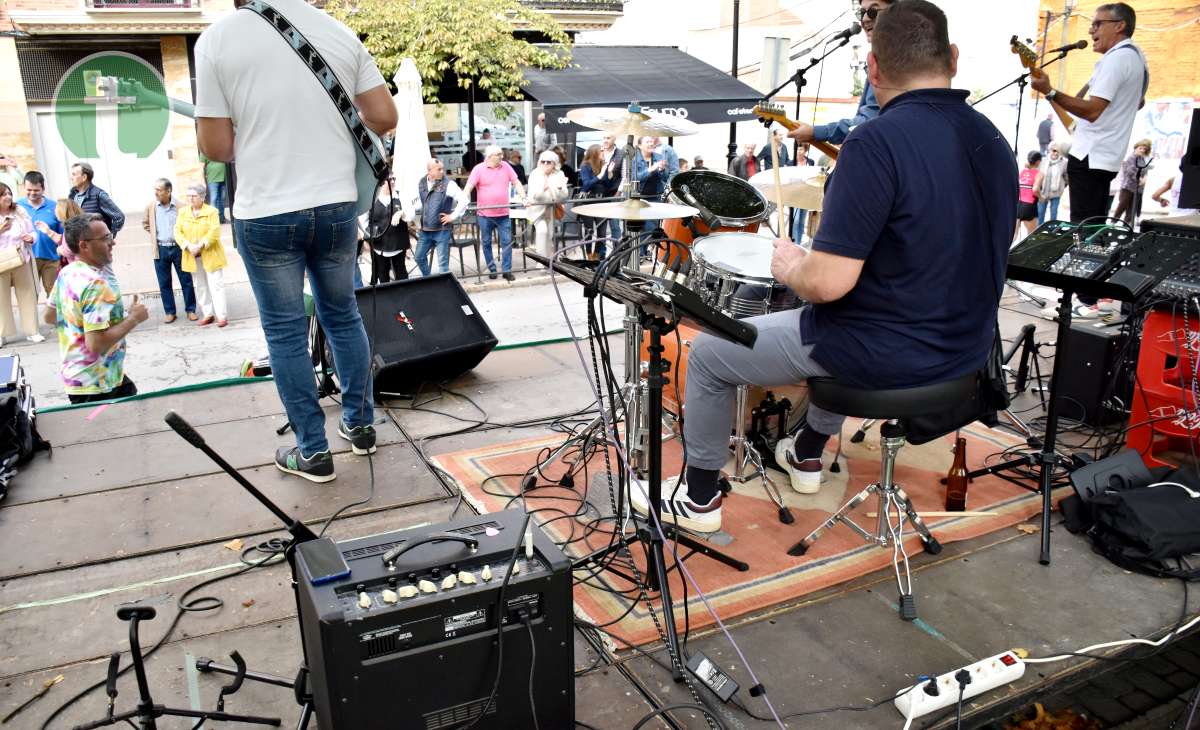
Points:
(364, 601)
(389, 596)
(466, 578)
(436, 573)
(449, 582)
(407, 591)
(486, 573)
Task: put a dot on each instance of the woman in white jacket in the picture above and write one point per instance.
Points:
(547, 187)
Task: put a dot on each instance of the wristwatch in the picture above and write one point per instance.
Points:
(1051, 94)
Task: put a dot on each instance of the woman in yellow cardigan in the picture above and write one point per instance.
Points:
(198, 233)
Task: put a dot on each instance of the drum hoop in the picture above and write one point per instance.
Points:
(703, 266)
(730, 179)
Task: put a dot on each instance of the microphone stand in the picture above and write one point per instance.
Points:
(800, 81)
(1021, 82)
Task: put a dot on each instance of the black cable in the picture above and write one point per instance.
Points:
(500, 604)
(680, 706)
(532, 667)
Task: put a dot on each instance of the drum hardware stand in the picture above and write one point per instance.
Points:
(147, 712)
(891, 499)
(744, 451)
(1021, 82)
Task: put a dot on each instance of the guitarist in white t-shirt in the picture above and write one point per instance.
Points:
(295, 210)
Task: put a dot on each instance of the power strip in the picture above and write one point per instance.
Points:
(985, 674)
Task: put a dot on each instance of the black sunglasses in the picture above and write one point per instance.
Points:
(871, 12)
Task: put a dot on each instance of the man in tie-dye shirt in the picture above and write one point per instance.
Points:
(86, 307)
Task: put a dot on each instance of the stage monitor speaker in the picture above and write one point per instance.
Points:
(1096, 382)
(422, 330)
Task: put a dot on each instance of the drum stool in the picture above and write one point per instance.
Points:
(888, 406)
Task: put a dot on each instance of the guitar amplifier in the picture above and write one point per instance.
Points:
(412, 644)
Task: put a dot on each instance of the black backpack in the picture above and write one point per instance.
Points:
(19, 437)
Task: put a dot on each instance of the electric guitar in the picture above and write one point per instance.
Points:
(1029, 59)
(364, 177)
(775, 113)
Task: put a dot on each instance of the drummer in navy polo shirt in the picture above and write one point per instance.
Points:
(904, 276)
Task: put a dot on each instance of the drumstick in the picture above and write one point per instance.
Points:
(778, 184)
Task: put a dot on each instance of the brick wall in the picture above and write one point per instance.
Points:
(1168, 31)
(181, 134)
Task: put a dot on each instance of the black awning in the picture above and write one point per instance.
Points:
(661, 78)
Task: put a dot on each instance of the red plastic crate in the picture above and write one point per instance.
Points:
(1164, 416)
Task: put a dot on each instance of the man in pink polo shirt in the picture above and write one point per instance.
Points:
(492, 179)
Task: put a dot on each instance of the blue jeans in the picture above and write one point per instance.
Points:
(1042, 204)
(172, 256)
(216, 198)
(439, 241)
(503, 227)
(800, 225)
(277, 251)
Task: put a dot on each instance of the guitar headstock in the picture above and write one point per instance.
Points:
(768, 112)
(1028, 56)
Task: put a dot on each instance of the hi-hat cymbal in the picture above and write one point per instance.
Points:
(622, 122)
(803, 187)
(635, 210)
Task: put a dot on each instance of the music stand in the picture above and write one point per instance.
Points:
(661, 305)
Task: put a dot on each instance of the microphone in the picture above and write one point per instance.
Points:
(184, 429)
(1076, 46)
(853, 30)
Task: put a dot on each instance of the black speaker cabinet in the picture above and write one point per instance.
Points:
(1096, 382)
(423, 330)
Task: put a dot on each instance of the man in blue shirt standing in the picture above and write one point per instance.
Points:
(868, 106)
(41, 211)
(903, 288)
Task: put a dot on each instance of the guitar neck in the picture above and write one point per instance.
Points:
(1067, 120)
(827, 148)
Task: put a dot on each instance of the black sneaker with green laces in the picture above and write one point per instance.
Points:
(361, 438)
(316, 468)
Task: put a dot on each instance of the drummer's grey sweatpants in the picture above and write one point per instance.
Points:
(716, 367)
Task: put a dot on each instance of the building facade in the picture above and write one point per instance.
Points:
(53, 112)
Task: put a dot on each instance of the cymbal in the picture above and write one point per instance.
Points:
(803, 187)
(636, 210)
(622, 122)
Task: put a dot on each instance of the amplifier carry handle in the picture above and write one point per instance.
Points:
(389, 558)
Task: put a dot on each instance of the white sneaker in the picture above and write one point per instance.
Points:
(806, 474)
(1083, 311)
(1108, 305)
(36, 337)
(680, 511)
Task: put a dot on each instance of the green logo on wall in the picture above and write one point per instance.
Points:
(104, 80)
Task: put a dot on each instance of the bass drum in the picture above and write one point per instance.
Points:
(734, 203)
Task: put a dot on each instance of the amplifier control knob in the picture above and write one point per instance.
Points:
(427, 586)
(407, 591)
(486, 573)
(389, 596)
(516, 567)
(364, 601)
(466, 578)
(436, 572)
(449, 582)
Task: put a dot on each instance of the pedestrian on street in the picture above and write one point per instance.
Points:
(86, 307)
(389, 248)
(440, 202)
(16, 251)
(214, 176)
(159, 220)
(547, 188)
(746, 164)
(46, 226)
(493, 179)
(1051, 182)
(64, 210)
(93, 199)
(198, 231)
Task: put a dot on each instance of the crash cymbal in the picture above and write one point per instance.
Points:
(803, 187)
(622, 122)
(636, 210)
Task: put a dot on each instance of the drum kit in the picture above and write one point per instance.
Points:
(713, 245)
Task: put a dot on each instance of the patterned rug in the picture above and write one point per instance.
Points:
(491, 477)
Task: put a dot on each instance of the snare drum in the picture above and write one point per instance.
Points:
(732, 272)
(736, 204)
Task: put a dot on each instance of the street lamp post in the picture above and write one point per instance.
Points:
(734, 72)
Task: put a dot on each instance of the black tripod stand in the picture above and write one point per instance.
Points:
(147, 712)
(300, 534)
(651, 533)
